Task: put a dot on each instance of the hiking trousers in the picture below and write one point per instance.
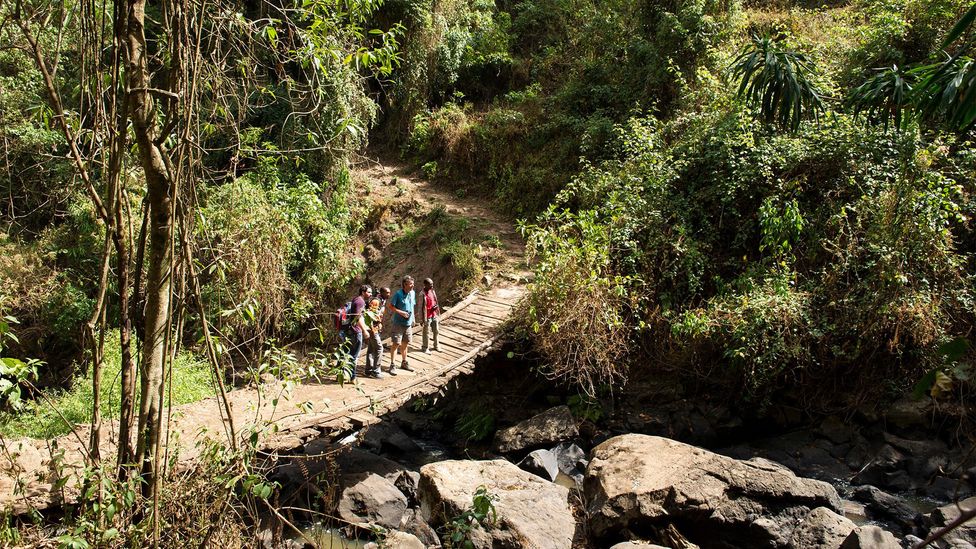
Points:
(374, 353)
(430, 327)
(352, 341)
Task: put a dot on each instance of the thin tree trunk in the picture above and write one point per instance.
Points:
(159, 191)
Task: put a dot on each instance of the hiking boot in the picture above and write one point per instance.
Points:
(405, 366)
(375, 375)
(426, 351)
(392, 371)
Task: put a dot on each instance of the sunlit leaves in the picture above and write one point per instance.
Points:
(777, 82)
(947, 91)
(883, 98)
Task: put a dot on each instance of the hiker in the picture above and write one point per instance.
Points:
(352, 335)
(430, 309)
(374, 346)
(401, 305)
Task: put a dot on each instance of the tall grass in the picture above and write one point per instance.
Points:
(45, 417)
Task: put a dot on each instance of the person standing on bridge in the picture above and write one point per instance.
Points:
(374, 345)
(430, 309)
(353, 338)
(401, 305)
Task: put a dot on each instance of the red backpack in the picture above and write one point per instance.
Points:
(343, 318)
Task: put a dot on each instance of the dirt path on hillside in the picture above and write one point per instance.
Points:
(400, 195)
(43, 473)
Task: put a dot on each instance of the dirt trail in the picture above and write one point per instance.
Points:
(403, 201)
(29, 474)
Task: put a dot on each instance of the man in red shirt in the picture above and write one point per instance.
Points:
(430, 309)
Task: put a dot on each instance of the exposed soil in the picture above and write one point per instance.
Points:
(411, 220)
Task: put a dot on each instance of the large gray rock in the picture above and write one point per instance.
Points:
(884, 469)
(965, 533)
(531, 512)
(370, 498)
(638, 482)
(571, 460)
(886, 507)
(413, 523)
(542, 463)
(823, 529)
(549, 427)
(871, 537)
(397, 540)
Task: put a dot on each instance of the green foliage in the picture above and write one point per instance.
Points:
(464, 258)
(276, 244)
(784, 257)
(45, 418)
(884, 97)
(457, 531)
(525, 146)
(475, 425)
(13, 371)
(778, 82)
(947, 91)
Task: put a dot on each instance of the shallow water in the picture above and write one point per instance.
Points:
(326, 537)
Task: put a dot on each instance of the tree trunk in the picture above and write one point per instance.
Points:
(159, 191)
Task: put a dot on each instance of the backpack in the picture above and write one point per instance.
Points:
(343, 318)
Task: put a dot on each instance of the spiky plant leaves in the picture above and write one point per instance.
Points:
(947, 91)
(777, 81)
(884, 98)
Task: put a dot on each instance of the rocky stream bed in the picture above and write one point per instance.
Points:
(642, 478)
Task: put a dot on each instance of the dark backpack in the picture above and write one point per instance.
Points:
(343, 316)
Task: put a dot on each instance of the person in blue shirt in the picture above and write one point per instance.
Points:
(401, 305)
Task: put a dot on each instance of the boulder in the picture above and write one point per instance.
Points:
(571, 460)
(397, 540)
(413, 523)
(549, 427)
(639, 482)
(542, 463)
(884, 506)
(908, 413)
(965, 533)
(386, 436)
(531, 512)
(870, 537)
(407, 482)
(885, 464)
(370, 498)
(636, 545)
(835, 430)
(356, 460)
(821, 528)
(946, 489)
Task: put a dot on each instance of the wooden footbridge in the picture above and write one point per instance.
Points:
(286, 416)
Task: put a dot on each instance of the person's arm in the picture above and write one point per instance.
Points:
(389, 304)
(423, 309)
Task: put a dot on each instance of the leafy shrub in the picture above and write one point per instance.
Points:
(760, 262)
(45, 418)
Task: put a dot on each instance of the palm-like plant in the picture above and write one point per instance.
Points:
(945, 91)
(948, 91)
(777, 82)
(883, 98)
